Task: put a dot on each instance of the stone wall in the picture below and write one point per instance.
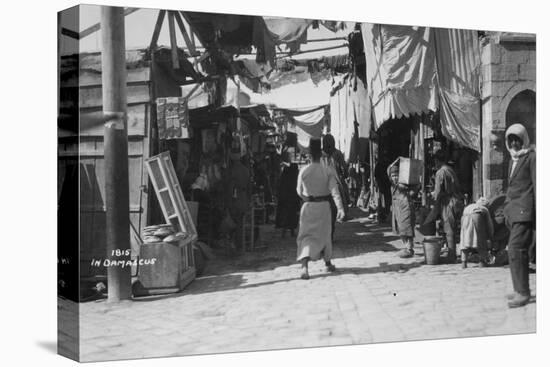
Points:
(508, 68)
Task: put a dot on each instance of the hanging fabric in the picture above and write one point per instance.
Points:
(336, 26)
(400, 70)
(458, 62)
(349, 125)
(342, 102)
(361, 108)
(309, 125)
(272, 31)
(335, 116)
(310, 95)
(343, 107)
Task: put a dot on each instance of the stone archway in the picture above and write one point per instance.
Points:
(522, 109)
(509, 95)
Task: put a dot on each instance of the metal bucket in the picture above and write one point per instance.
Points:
(432, 249)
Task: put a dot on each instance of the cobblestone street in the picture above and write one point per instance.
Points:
(256, 301)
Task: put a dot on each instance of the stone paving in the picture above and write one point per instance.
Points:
(256, 301)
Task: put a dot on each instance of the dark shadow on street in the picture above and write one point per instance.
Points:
(207, 284)
(236, 281)
(353, 238)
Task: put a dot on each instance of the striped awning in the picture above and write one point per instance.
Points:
(400, 70)
(413, 70)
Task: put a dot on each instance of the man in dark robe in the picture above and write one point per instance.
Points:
(519, 211)
(449, 203)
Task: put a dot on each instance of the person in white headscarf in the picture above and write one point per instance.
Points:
(519, 210)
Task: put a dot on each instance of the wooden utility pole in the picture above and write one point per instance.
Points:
(173, 40)
(117, 201)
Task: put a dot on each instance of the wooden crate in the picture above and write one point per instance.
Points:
(173, 270)
(410, 171)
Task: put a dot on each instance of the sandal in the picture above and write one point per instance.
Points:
(331, 268)
(406, 253)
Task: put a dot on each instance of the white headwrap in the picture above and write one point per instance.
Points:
(519, 131)
(482, 201)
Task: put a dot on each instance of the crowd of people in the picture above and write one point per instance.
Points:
(311, 199)
(465, 229)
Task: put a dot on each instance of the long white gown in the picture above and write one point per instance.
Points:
(314, 236)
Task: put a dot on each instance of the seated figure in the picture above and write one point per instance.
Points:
(476, 231)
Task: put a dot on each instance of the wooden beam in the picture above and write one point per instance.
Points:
(191, 29)
(286, 53)
(193, 90)
(192, 37)
(173, 40)
(190, 45)
(327, 39)
(70, 33)
(190, 70)
(97, 26)
(309, 51)
(202, 58)
(202, 80)
(156, 32)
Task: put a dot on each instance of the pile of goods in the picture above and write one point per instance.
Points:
(161, 233)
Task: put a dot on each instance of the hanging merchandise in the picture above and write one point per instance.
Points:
(252, 74)
(202, 96)
(355, 41)
(220, 133)
(334, 116)
(172, 118)
(236, 143)
(208, 140)
(342, 115)
(428, 131)
(361, 108)
(255, 143)
(272, 31)
(311, 121)
(285, 88)
(242, 143)
(344, 111)
(303, 138)
(351, 121)
(306, 123)
(336, 26)
(319, 76)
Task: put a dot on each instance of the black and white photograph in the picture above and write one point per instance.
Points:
(233, 182)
